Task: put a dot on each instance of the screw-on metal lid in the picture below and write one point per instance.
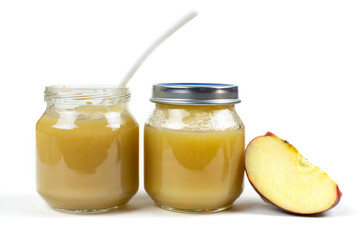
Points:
(195, 93)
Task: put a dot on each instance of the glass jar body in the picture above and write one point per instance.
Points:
(194, 157)
(87, 156)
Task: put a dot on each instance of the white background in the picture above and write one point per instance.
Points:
(297, 65)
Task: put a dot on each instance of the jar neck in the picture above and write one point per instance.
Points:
(195, 117)
(76, 96)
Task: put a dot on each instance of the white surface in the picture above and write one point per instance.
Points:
(296, 64)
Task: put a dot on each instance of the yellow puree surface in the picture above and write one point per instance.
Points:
(87, 159)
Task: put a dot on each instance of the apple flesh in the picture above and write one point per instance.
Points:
(283, 177)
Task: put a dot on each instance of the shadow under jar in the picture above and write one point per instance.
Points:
(87, 146)
(194, 147)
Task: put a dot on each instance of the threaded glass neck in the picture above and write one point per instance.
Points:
(86, 94)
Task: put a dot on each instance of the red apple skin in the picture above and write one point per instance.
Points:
(270, 134)
(339, 193)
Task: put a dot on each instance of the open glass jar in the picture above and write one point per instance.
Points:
(194, 147)
(87, 149)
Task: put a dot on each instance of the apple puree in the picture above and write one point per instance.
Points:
(87, 158)
(194, 170)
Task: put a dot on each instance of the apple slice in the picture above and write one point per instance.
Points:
(283, 177)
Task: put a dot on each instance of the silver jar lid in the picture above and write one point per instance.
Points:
(195, 93)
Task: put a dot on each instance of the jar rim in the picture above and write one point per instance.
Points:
(85, 91)
(84, 86)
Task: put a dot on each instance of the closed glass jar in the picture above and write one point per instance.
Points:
(87, 149)
(194, 147)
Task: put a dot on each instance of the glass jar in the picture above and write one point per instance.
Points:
(194, 147)
(87, 146)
